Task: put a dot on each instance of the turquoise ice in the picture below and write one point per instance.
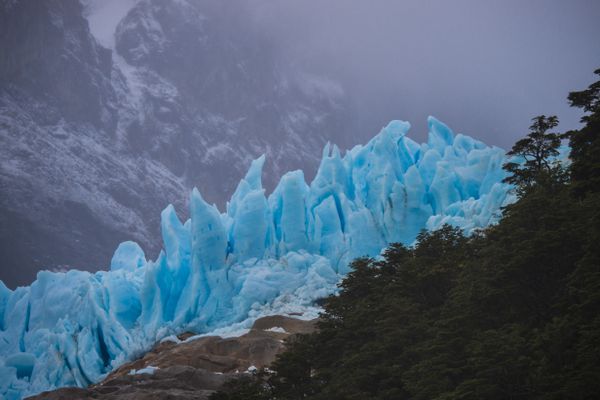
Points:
(263, 254)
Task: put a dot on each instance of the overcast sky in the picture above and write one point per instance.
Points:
(485, 67)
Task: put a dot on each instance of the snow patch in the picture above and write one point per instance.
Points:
(149, 370)
(277, 329)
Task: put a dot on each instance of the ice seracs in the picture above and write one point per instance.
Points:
(264, 254)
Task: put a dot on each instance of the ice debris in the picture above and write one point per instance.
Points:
(277, 329)
(149, 370)
(264, 254)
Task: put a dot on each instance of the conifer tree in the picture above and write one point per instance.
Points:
(585, 142)
(533, 155)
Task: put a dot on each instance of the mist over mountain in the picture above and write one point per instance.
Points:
(98, 134)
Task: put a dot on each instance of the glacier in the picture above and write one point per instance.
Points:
(265, 254)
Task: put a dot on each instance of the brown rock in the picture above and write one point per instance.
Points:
(193, 369)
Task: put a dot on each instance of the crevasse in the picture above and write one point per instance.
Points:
(263, 255)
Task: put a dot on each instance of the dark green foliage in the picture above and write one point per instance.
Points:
(534, 154)
(585, 142)
(244, 388)
(512, 312)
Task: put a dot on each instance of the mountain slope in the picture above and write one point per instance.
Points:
(95, 141)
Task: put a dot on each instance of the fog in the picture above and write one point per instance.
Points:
(484, 67)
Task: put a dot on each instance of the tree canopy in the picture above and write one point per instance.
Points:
(585, 142)
(533, 158)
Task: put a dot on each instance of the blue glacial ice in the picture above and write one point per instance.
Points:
(276, 254)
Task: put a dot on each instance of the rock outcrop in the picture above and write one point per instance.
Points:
(193, 368)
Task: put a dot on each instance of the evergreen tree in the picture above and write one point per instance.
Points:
(585, 142)
(534, 154)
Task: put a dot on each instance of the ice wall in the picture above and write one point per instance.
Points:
(263, 255)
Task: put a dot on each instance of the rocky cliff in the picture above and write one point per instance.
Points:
(96, 139)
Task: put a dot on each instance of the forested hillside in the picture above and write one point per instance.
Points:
(510, 313)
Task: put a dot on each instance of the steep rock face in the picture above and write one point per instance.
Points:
(95, 141)
(58, 172)
(48, 55)
(212, 84)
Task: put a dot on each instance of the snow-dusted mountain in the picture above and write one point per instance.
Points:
(111, 110)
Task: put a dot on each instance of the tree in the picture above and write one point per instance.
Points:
(252, 387)
(585, 142)
(533, 155)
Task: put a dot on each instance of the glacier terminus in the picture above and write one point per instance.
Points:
(263, 255)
